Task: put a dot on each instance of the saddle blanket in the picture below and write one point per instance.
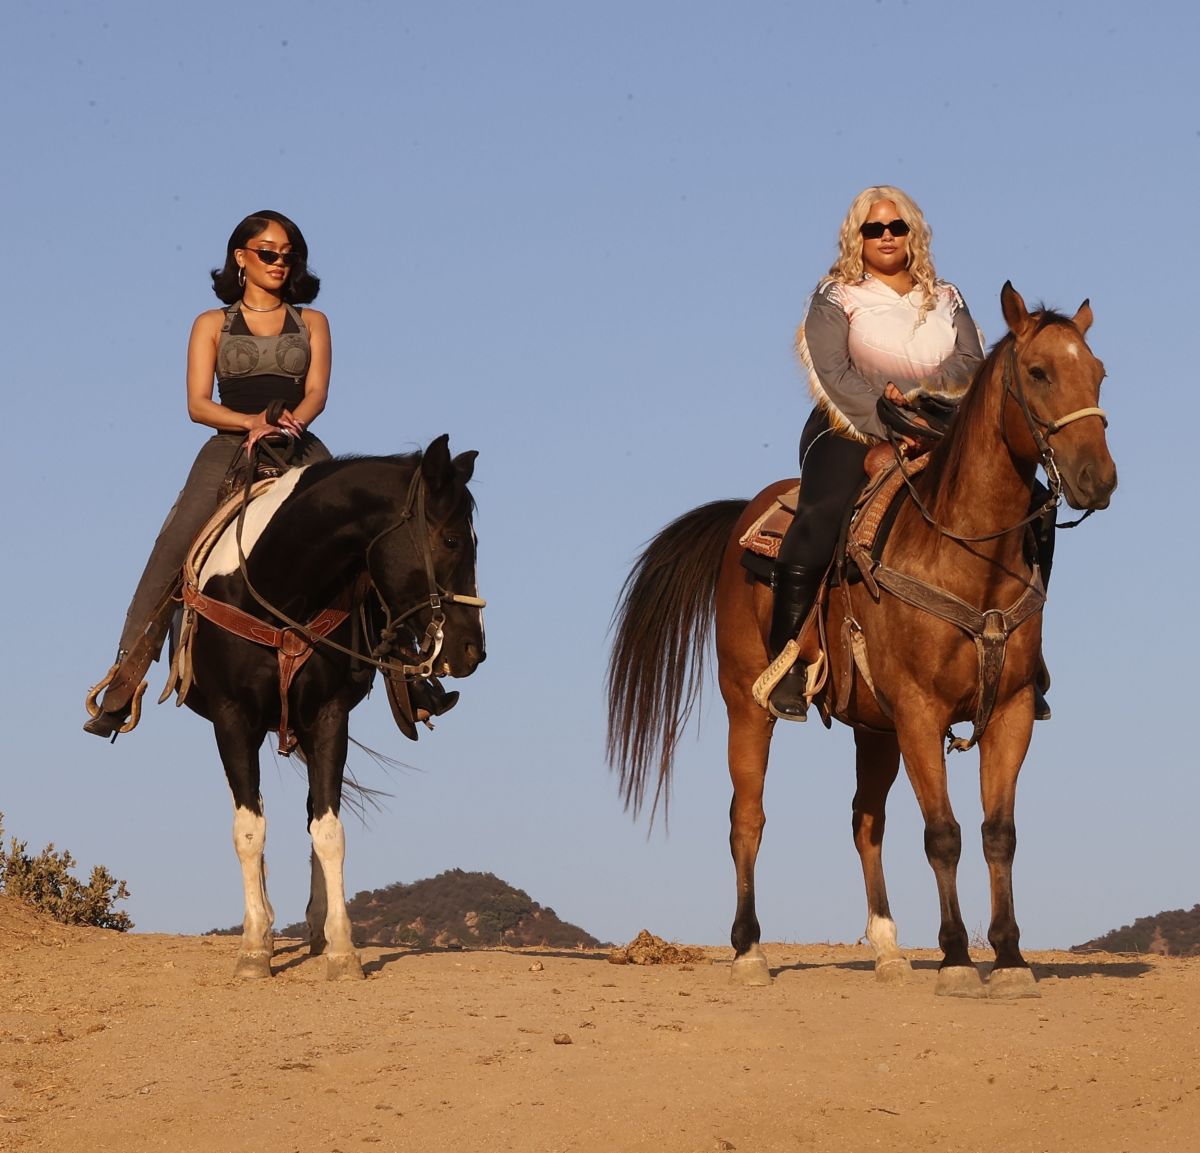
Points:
(764, 537)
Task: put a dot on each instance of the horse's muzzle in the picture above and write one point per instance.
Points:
(462, 661)
(1091, 486)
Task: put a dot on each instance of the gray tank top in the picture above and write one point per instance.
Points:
(254, 370)
(244, 354)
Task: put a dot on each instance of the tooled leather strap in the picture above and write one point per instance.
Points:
(989, 629)
(293, 648)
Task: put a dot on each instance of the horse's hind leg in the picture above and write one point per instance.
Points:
(326, 754)
(240, 759)
(750, 729)
(314, 914)
(877, 765)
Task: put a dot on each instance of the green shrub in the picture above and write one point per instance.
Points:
(46, 883)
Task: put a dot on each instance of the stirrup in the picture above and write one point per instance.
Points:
(130, 715)
(815, 675)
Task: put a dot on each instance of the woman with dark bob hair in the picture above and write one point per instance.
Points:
(265, 354)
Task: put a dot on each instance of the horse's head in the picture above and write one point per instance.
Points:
(423, 566)
(1053, 412)
(451, 536)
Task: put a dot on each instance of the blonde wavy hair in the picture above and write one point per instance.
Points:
(848, 268)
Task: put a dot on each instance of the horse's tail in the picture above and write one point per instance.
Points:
(662, 621)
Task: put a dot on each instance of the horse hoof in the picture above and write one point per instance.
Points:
(960, 981)
(751, 969)
(893, 971)
(343, 967)
(253, 966)
(1012, 983)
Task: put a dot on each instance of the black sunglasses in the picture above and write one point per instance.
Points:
(267, 256)
(874, 229)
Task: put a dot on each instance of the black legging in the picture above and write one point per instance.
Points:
(831, 474)
(197, 501)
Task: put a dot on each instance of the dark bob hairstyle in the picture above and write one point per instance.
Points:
(301, 286)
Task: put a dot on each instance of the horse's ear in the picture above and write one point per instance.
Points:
(464, 465)
(1016, 316)
(1082, 320)
(435, 462)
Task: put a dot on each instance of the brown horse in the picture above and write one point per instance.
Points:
(947, 628)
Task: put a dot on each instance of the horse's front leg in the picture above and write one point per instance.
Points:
(1002, 750)
(239, 755)
(750, 729)
(920, 736)
(877, 764)
(325, 749)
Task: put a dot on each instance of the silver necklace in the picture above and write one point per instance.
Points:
(251, 307)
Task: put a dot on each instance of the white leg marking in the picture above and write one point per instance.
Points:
(249, 841)
(891, 966)
(881, 932)
(329, 844)
(224, 556)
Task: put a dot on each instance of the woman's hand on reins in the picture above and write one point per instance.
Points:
(897, 397)
(288, 426)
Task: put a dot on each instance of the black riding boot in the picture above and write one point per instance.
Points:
(795, 590)
(1043, 539)
(430, 698)
(125, 683)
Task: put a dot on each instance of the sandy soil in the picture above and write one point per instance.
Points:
(143, 1042)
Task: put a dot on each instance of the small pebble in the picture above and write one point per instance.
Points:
(562, 1038)
(536, 967)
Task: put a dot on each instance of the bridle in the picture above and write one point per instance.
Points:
(414, 518)
(1040, 430)
(989, 629)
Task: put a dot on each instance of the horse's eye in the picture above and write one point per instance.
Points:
(452, 541)
(1038, 374)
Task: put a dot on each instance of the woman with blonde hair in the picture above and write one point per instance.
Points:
(880, 323)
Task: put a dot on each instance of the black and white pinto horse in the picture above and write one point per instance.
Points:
(398, 530)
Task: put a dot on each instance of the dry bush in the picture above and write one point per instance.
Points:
(45, 882)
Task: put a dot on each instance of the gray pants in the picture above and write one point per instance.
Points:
(197, 501)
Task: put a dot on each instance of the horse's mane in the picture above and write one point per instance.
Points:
(961, 443)
(407, 460)
(396, 457)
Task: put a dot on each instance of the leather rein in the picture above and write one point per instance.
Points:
(988, 628)
(295, 642)
(1041, 431)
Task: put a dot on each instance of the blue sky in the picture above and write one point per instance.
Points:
(578, 238)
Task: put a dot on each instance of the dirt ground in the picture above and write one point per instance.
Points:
(142, 1042)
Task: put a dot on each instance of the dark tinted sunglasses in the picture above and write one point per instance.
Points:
(874, 229)
(267, 256)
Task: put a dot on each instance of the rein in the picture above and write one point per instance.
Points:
(988, 628)
(414, 507)
(1041, 431)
